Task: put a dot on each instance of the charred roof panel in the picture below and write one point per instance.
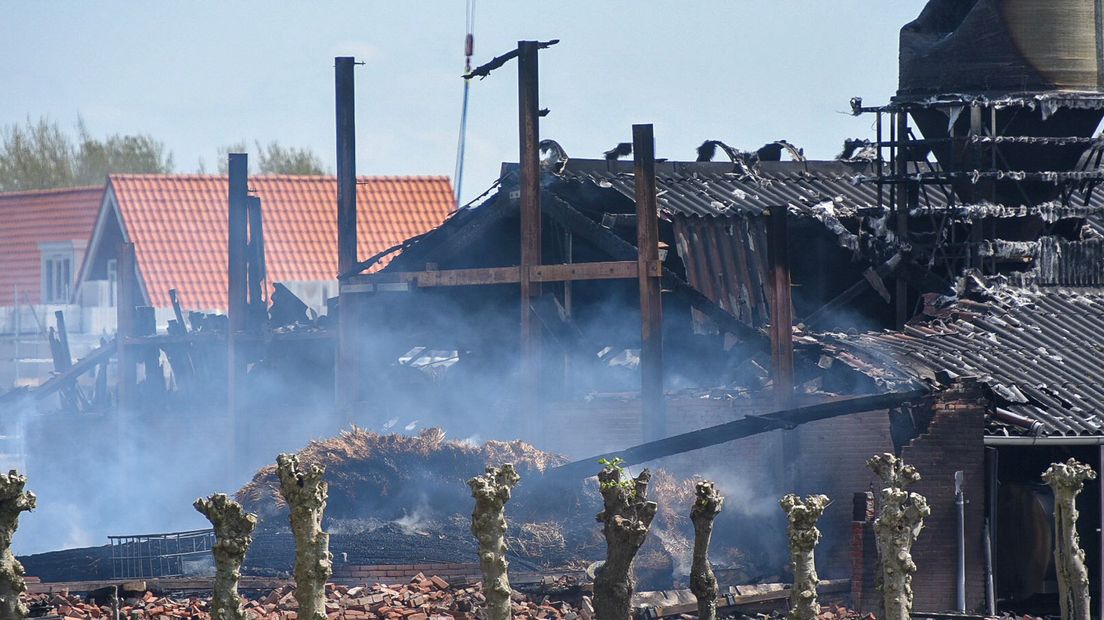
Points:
(1040, 352)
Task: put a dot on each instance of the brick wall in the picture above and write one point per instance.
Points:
(831, 459)
(826, 457)
(953, 441)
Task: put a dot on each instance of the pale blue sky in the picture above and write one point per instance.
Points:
(199, 75)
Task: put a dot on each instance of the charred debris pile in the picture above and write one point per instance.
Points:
(396, 499)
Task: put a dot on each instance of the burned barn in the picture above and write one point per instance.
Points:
(758, 318)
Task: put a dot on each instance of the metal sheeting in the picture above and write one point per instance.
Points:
(713, 189)
(1040, 351)
(725, 261)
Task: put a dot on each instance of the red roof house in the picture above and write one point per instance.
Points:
(178, 224)
(43, 235)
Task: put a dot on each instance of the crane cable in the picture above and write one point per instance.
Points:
(469, 47)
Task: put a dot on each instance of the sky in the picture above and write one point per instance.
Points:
(204, 74)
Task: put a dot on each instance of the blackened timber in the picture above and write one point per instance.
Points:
(237, 275)
(901, 207)
(346, 164)
(126, 294)
(99, 355)
(853, 291)
(237, 240)
(178, 312)
(619, 249)
(737, 429)
(256, 265)
(477, 276)
(529, 157)
(781, 307)
(651, 304)
(347, 364)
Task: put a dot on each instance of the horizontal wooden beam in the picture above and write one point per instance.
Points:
(403, 280)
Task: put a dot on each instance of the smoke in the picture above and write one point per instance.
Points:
(430, 359)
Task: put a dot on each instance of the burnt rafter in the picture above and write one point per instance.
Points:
(485, 69)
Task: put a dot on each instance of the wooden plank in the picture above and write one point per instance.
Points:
(653, 411)
(530, 205)
(603, 270)
(781, 307)
(126, 300)
(732, 601)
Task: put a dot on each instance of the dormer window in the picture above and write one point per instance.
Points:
(58, 264)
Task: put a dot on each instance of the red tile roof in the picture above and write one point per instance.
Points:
(178, 225)
(27, 218)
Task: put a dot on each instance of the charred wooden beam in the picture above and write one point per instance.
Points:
(347, 363)
(529, 158)
(346, 164)
(619, 249)
(258, 306)
(781, 307)
(653, 412)
(479, 276)
(124, 327)
(737, 429)
(901, 207)
(853, 291)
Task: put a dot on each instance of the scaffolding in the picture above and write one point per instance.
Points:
(988, 151)
(173, 554)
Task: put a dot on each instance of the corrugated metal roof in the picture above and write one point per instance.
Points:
(1042, 352)
(719, 189)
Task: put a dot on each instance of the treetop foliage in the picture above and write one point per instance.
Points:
(40, 155)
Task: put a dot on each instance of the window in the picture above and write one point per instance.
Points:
(58, 279)
(112, 282)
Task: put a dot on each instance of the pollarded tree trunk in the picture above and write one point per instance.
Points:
(802, 531)
(1066, 480)
(233, 535)
(491, 492)
(703, 583)
(625, 522)
(305, 492)
(900, 519)
(13, 500)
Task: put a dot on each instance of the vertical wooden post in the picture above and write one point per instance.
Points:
(529, 139)
(781, 308)
(347, 368)
(237, 276)
(653, 414)
(901, 165)
(346, 164)
(124, 327)
(258, 309)
(237, 240)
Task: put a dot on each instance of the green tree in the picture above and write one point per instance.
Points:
(98, 158)
(275, 159)
(39, 155)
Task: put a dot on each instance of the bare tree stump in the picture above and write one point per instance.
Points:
(1066, 480)
(305, 492)
(13, 500)
(900, 519)
(491, 492)
(625, 522)
(703, 583)
(233, 535)
(802, 531)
